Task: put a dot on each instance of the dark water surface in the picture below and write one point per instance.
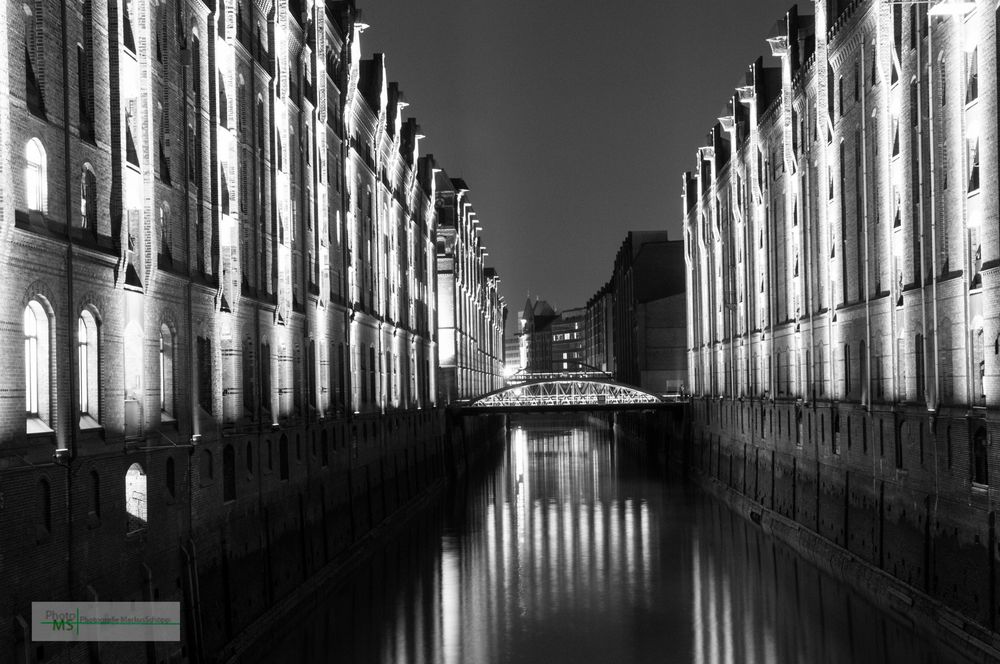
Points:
(571, 551)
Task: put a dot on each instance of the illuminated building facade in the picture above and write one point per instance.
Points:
(843, 253)
(471, 312)
(218, 258)
(512, 356)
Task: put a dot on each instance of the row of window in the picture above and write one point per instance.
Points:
(36, 185)
(135, 498)
(39, 362)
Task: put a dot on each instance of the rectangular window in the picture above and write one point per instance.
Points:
(972, 75)
(857, 81)
(972, 146)
(874, 68)
(847, 371)
(840, 95)
(205, 373)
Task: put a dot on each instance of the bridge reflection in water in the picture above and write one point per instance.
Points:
(570, 551)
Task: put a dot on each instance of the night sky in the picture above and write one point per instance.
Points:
(570, 120)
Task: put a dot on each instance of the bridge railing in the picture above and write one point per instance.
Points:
(525, 377)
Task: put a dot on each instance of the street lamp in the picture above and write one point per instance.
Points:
(951, 8)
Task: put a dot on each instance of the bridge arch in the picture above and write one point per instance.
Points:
(567, 392)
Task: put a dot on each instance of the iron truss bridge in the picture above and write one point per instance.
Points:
(562, 392)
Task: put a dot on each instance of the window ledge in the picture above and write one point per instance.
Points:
(138, 535)
(88, 423)
(36, 426)
(166, 418)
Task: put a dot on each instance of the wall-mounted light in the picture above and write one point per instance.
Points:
(746, 94)
(779, 45)
(951, 9)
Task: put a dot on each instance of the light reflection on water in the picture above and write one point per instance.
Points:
(569, 551)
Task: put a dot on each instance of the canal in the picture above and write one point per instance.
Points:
(569, 549)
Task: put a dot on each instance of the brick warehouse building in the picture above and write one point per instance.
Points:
(218, 258)
(471, 311)
(842, 249)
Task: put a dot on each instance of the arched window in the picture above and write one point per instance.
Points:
(88, 199)
(223, 104)
(164, 226)
(241, 109)
(224, 194)
(196, 69)
(228, 474)
(978, 363)
(166, 371)
(36, 361)
(135, 498)
(88, 365)
(35, 176)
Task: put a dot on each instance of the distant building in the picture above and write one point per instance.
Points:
(635, 324)
(599, 338)
(649, 312)
(536, 335)
(471, 312)
(569, 340)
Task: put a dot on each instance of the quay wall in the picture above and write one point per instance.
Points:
(306, 498)
(880, 496)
